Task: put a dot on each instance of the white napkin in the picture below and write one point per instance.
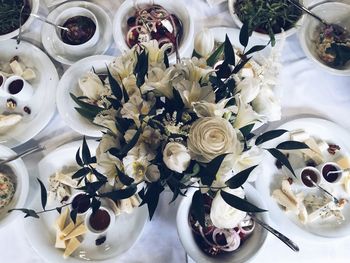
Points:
(215, 2)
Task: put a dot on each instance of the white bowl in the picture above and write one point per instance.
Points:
(84, 48)
(248, 250)
(25, 26)
(334, 12)
(22, 186)
(266, 37)
(127, 9)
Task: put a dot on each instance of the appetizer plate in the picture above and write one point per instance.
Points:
(69, 84)
(271, 179)
(42, 104)
(219, 34)
(58, 52)
(41, 233)
(17, 171)
(35, 9)
(248, 250)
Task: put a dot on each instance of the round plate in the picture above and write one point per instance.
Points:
(35, 8)
(22, 185)
(220, 33)
(41, 232)
(42, 104)
(69, 84)
(250, 248)
(59, 53)
(271, 178)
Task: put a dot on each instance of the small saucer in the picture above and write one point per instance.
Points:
(57, 52)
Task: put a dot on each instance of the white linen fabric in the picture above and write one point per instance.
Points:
(307, 90)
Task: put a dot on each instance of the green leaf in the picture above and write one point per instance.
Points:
(197, 208)
(208, 174)
(80, 173)
(93, 109)
(59, 210)
(239, 179)
(115, 87)
(141, 68)
(73, 215)
(282, 159)
(121, 194)
(246, 130)
(166, 60)
(270, 135)
(86, 152)
(132, 142)
(229, 52)
(95, 205)
(240, 203)
(254, 49)
(124, 179)
(43, 193)
(244, 35)
(78, 159)
(28, 212)
(292, 145)
(100, 177)
(86, 114)
(151, 197)
(214, 57)
(241, 65)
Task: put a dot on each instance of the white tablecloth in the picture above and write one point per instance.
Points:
(307, 91)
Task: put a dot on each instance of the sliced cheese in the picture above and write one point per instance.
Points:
(28, 74)
(61, 220)
(59, 242)
(299, 135)
(71, 226)
(16, 68)
(284, 201)
(78, 231)
(66, 179)
(287, 190)
(72, 245)
(344, 162)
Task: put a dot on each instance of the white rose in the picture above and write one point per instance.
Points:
(91, 86)
(210, 137)
(191, 92)
(176, 157)
(249, 88)
(152, 173)
(223, 215)
(267, 105)
(204, 42)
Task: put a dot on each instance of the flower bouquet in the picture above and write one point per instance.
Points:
(188, 125)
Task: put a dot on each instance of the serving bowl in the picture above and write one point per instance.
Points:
(278, 36)
(35, 7)
(18, 174)
(127, 9)
(334, 12)
(246, 252)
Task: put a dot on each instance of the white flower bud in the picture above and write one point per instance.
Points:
(204, 43)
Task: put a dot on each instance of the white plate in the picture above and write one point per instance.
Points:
(69, 84)
(271, 177)
(59, 53)
(233, 34)
(42, 105)
(41, 232)
(250, 248)
(35, 8)
(22, 186)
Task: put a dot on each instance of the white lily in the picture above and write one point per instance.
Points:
(208, 109)
(91, 86)
(123, 66)
(155, 54)
(267, 104)
(204, 43)
(159, 81)
(191, 92)
(249, 89)
(134, 108)
(246, 115)
(106, 119)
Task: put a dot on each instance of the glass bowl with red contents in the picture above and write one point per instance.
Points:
(168, 22)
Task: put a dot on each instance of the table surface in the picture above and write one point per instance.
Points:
(307, 91)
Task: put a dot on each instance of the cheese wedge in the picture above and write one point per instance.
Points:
(299, 135)
(284, 201)
(61, 220)
(59, 242)
(16, 68)
(78, 231)
(344, 162)
(72, 245)
(66, 179)
(287, 190)
(71, 226)
(28, 74)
